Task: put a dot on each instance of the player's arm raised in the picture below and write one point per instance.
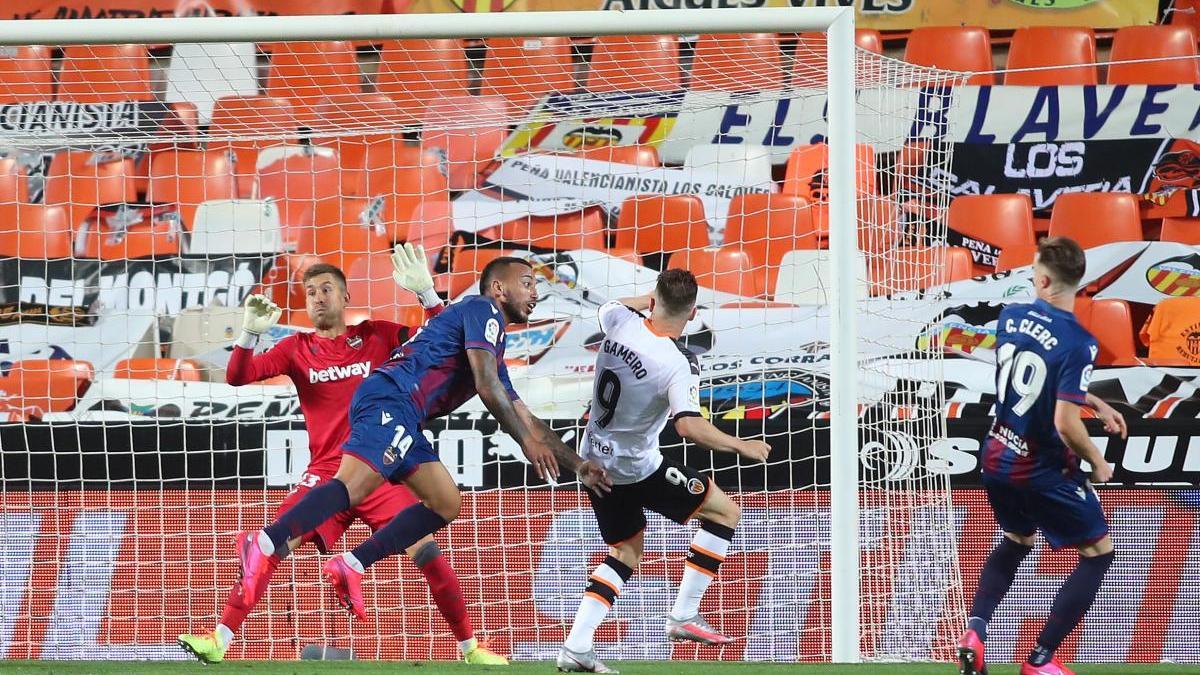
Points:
(410, 271)
(495, 396)
(244, 366)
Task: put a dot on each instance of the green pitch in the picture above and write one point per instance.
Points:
(545, 668)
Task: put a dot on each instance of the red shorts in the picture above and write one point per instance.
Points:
(376, 510)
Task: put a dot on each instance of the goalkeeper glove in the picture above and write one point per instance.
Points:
(410, 269)
(260, 315)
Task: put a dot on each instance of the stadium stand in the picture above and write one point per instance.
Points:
(1111, 322)
(962, 48)
(34, 231)
(418, 74)
(26, 74)
(188, 178)
(182, 370)
(308, 73)
(1000, 220)
(727, 269)
(627, 63)
(720, 63)
(1134, 43)
(652, 224)
(1051, 47)
(105, 74)
(1096, 218)
(522, 70)
(34, 387)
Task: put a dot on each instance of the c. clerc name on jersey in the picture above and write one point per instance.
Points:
(627, 355)
(333, 373)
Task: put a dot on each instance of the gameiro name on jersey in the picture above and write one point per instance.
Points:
(643, 378)
(1043, 356)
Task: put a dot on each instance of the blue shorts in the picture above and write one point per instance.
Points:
(384, 430)
(1067, 512)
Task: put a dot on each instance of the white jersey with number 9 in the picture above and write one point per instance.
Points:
(643, 379)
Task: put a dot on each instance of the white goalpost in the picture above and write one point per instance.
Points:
(811, 216)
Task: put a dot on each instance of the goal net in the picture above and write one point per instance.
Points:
(147, 189)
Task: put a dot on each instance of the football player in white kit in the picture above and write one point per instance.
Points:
(644, 377)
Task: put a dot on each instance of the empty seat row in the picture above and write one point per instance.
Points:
(1051, 55)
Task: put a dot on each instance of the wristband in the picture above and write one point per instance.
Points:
(429, 298)
(247, 340)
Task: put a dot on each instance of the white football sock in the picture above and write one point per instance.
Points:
(706, 553)
(603, 588)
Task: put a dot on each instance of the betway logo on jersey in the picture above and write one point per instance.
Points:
(334, 373)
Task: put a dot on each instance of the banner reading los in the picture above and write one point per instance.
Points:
(877, 14)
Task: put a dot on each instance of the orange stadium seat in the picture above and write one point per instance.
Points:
(523, 70)
(1047, 46)
(188, 178)
(297, 177)
(371, 288)
(267, 121)
(39, 386)
(809, 59)
(26, 74)
(807, 174)
(430, 225)
(182, 370)
(83, 182)
(307, 73)
(35, 231)
(1012, 257)
(417, 74)
(727, 269)
(637, 155)
(348, 228)
(1154, 42)
(1001, 220)
(469, 150)
(1111, 323)
(662, 224)
(960, 48)
(405, 187)
(744, 62)
(635, 63)
(105, 74)
(582, 229)
(143, 240)
(1182, 230)
(767, 226)
(14, 184)
(1096, 218)
(915, 268)
(465, 267)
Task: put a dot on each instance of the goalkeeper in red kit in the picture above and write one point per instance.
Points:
(327, 365)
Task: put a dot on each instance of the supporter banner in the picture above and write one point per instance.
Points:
(164, 286)
(1041, 141)
(24, 122)
(101, 341)
(595, 121)
(218, 445)
(549, 177)
(79, 562)
(130, 9)
(877, 14)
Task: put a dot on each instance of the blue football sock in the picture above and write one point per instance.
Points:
(994, 581)
(1074, 599)
(320, 504)
(407, 528)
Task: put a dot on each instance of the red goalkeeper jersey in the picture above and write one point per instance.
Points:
(325, 371)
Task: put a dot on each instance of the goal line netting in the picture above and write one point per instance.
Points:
(146, 190)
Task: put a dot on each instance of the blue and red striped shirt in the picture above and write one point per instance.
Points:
(1043, 356)
(433, 365)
